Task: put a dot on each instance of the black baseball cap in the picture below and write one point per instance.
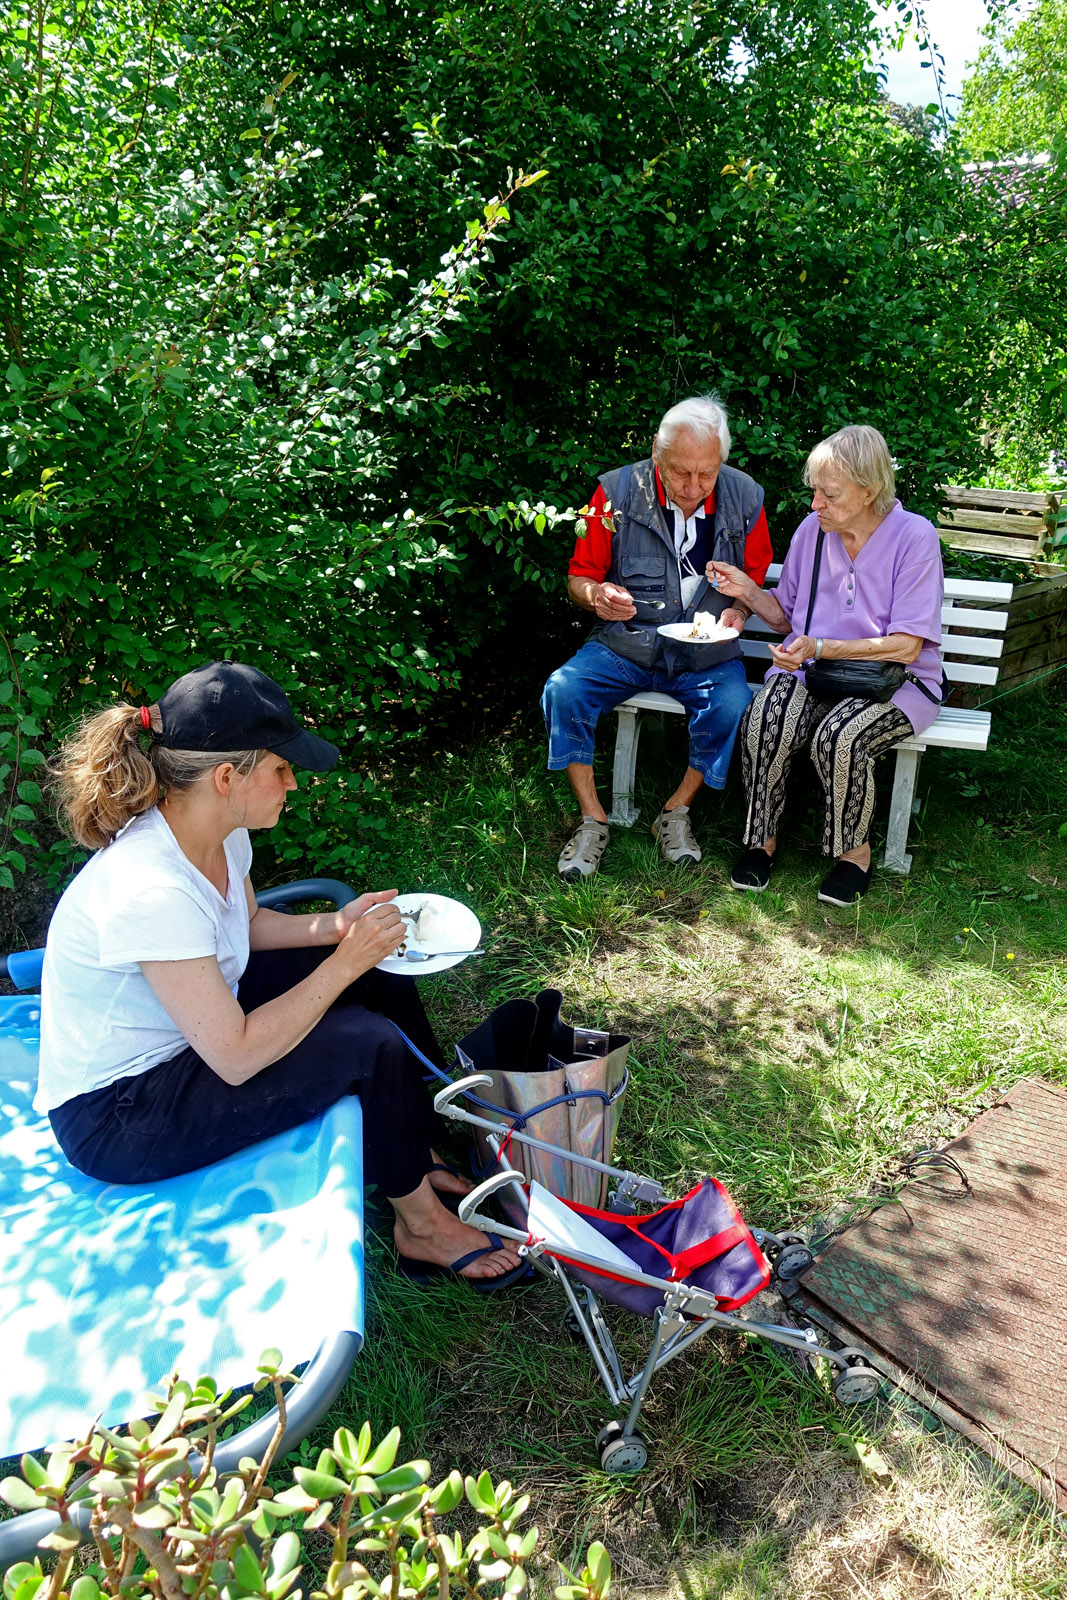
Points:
(225, 705)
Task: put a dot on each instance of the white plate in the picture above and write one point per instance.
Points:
(460, 930)
(683, 630)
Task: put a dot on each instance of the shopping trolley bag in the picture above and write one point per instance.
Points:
(563, 1085)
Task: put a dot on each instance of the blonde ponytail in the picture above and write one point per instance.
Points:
(103, 778)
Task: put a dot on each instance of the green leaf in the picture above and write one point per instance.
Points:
(447, 1495)
(322, 1485)
(410, 1476)
(19, 1495)
(293, 1500)
(170, 1418)
(33, 1472)
(346, 1449)
(247, 1570)
(397, 1509)
(284, 1556)
(21, 1573)
(85, 1588)
(599, 1563)
(384, 1455)
(27, 1588)
(64, 1538)
(150, 1514)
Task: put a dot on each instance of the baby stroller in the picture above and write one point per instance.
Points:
(689, 1265)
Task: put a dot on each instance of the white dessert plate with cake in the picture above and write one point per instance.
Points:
(434, 923)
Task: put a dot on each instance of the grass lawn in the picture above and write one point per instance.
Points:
(795, 1051)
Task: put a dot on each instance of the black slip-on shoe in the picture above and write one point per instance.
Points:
(846, 884)
(753, 871)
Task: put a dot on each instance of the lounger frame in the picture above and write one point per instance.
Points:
(307, 1402)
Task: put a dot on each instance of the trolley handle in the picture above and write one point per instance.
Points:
(471, 1201)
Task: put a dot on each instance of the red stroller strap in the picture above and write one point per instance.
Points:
(707, 1250)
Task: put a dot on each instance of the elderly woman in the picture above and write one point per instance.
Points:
(862, 583)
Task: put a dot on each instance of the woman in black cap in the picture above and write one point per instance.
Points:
(179, 1021)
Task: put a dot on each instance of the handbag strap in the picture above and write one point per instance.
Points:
(910, 676)
(938, 699)
(816, 564)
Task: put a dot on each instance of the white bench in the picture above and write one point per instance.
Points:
(955, 729)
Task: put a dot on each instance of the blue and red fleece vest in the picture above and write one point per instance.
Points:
(644, 561)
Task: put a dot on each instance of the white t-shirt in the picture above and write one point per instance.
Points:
(139, 899)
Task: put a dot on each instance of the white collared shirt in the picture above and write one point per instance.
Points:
(685, 537)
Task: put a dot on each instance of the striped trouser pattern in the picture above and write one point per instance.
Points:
(845, 739)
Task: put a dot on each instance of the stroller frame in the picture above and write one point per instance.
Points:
(619, 1445)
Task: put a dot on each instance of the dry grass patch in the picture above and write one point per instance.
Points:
(941, 1525)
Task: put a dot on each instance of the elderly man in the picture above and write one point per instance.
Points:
(652, 531)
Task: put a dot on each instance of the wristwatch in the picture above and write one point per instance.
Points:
(818, 648)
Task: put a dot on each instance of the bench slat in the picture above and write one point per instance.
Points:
(955, 588)
(1021, 499)
(977, 589)
(1011, 523)
(948, 735)
(964, 672)
(956, 728)
(951, 616)
(954, 616)
(955, 671)
(961, 644)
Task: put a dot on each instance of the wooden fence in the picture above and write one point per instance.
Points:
(1017, 527)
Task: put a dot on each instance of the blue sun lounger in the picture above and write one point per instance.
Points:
(105, 1289)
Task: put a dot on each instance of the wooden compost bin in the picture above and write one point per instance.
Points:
(1013, 526)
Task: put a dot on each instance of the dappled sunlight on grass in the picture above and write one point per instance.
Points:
(796, 1051)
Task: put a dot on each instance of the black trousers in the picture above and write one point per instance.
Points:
(845, 739)
(181, 1115)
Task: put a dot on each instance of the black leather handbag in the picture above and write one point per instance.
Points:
(874, 681)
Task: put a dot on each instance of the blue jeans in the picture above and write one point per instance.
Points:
(597, 679)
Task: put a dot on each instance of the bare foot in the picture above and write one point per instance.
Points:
(447, 1182)
(450, 1239)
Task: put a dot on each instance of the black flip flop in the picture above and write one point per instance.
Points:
(427, 1272)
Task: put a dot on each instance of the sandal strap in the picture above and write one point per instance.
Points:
(476, 1255)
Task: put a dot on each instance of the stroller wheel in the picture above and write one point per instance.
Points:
(572, 1326)
(620, 1452)
(793, 1259)
(856, 1385)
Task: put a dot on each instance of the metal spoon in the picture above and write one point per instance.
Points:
(432, 955)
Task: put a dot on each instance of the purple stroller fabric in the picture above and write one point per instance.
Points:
(702, 1240)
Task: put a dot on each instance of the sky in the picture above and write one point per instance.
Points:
(955, 26)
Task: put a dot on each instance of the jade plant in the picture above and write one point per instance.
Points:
(166, 1523)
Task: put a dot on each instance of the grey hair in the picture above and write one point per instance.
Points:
(702, 415)
(180, 769)
(861, 453)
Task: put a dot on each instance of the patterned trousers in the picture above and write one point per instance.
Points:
(845, 741)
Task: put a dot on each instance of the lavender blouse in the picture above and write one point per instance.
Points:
(895, 585)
